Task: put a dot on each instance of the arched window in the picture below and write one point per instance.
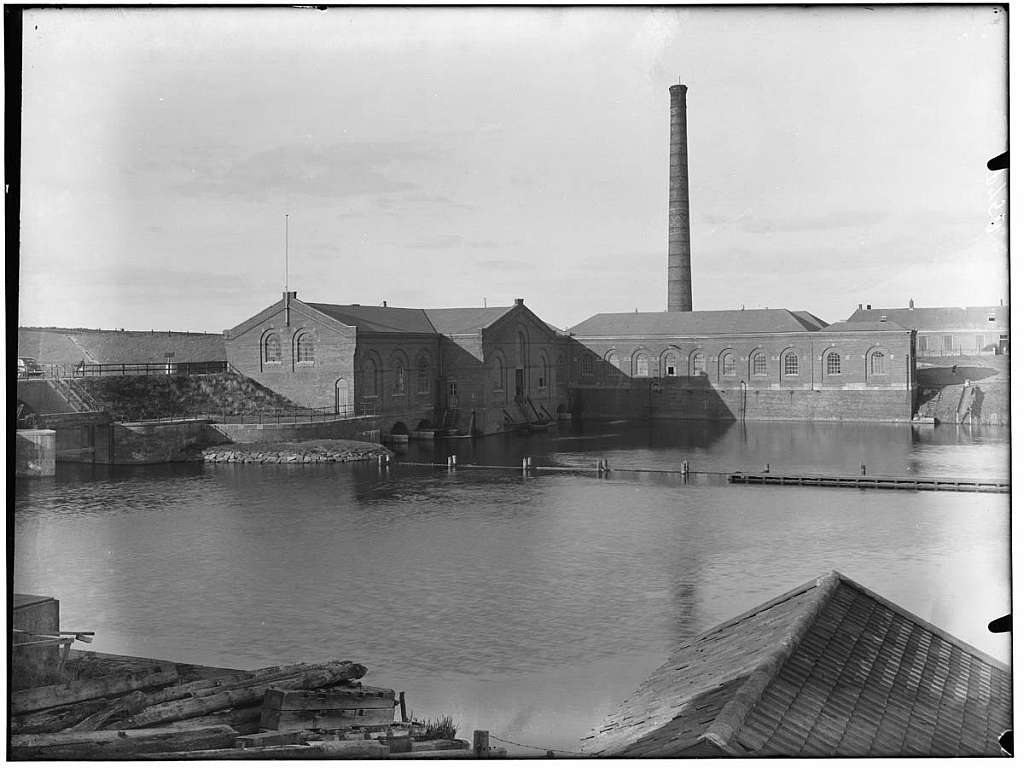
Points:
(560, 370)
(877, 363)
(304, 351)
(423, 376)
(643, 365)
(586, 366)
(728, 364)
(669, 366)
(545, 376)
(790, 364)
(612, 358)
(369, 378)
(700, 365)
(832, 366)
(272, 349)
(759, 364)
(399, 385)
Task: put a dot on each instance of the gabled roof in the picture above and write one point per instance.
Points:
(704, 323)
(457, 321)
(828, 669)
(69, 346)
(374, 319)
(940, 318)
(865, 325)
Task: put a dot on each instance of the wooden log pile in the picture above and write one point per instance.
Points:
(300, 711)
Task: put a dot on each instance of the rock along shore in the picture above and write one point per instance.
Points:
(305, 452)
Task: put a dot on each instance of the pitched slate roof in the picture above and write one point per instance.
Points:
(69, 346)
(374, 319)
(940, 318)
(465, 320)
(704, 323)
(865, 325)
(827, 670)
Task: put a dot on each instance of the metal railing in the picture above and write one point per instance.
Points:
(79, 370)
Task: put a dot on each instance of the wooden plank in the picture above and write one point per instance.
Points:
(436, 744)
(112, 745)
(243, 695)
(363, 697)
(56, 718)
(33, 699)
(321, 750)
(277, 738)
(437, 754)
(324, 719)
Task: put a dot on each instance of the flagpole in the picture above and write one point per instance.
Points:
(286, 253)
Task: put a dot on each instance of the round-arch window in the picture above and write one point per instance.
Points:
(791, 364)
(304, 351)
(272, 349)
(728, 364)
(760, 364)
(832, 367)
(423, 376)
(877, 363)
(399, 378)
(643, 366)
(699, 363)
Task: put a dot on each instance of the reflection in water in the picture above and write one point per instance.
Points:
(528, 606)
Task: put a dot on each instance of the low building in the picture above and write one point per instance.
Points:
(829, 669)
(741, 364)
(947, 331)
(477, 370)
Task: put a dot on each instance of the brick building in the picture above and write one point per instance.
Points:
(744, 364)
(945, 331)
(476, 370)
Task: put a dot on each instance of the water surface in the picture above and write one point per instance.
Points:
(526, 606)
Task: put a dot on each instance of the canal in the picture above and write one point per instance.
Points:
(529, 606)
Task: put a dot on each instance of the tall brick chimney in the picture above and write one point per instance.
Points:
(680, 291)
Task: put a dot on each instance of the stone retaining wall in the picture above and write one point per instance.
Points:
(253, 454)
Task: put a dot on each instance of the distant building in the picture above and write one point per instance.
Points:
(742, 364)
(945, 331)
(478, 370)
(829, 669)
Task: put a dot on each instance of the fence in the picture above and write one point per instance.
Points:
(63, 371)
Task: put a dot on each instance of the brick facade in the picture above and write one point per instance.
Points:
(835, 373)
(409, 374)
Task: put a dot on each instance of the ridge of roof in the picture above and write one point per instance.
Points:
(732, 716)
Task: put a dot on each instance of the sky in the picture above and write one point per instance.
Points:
(455, 157)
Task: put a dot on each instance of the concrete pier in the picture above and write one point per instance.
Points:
(36, 453)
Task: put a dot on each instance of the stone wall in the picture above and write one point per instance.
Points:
(35, 453)
(351, 429)
(157, 443)
(674, 400)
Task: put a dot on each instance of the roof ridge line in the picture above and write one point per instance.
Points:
(731, 717)
(947, 636)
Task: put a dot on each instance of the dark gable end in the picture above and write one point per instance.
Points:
(297, 306)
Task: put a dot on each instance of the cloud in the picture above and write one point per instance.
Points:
(453, 241)
(820, 221)
(334, 171)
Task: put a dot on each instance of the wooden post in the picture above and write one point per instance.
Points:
(481, 743)
(401, 706)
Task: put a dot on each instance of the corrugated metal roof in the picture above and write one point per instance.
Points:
(827, 670)
(465, 320)
(940, 318)
(374, 319)
(704, 323)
